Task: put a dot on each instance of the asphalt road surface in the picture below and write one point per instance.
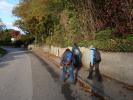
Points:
(24, 76)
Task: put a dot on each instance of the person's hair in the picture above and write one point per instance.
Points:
(67, 49)
(75, 44)
(96, 48)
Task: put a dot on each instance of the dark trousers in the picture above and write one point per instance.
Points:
(98, 75)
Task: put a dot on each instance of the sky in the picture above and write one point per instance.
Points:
(6, 7)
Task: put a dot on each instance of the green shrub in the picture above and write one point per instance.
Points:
(130, 37)
(114, 45)
(104, 34)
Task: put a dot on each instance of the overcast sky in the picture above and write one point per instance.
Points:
(6, 7)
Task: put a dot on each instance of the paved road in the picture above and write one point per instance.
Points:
(23, 76)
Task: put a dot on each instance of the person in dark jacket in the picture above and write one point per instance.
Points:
(76, 60)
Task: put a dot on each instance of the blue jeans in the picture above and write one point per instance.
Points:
(70, 71)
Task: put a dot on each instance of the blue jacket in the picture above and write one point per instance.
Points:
(92, 56)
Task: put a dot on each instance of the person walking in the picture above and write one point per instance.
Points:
(95, 59)
(76, 60)
(66, 63)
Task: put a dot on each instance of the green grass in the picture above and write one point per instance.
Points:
(2, 51)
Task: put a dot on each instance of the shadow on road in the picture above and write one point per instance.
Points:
(98, 90)
(3, 65)
(67, 92)
(5, 60)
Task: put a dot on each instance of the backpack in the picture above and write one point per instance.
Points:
(97, 56)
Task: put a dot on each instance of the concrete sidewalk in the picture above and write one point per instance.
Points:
(109, 89)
